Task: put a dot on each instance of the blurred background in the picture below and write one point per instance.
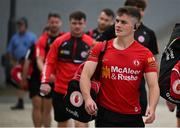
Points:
(160, 15)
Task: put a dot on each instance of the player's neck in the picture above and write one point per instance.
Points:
(54, 33)
(122, 43)
(76, 35)
(100, 30)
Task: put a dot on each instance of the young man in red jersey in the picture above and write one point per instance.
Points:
(63, 59)
(144, 35)
(118, 99)
(41, 106)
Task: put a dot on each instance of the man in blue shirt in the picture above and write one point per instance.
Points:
(17, 48)
(21, 41)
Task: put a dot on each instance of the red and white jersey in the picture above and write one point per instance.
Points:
(63, 59)
(121, 76)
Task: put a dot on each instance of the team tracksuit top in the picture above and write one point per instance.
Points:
(64, 57)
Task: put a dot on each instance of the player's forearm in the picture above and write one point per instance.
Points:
(85, 86)
(50, 64)
(25, 70)
(46, 72)
(153, 96)
(40, 63)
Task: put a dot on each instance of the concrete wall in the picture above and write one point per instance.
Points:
(160, 15)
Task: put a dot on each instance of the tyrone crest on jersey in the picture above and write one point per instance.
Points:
(84, 54)
(136, 62)
(76, 99)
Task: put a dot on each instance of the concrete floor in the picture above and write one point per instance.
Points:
(22, 118)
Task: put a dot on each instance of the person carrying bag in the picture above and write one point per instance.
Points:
(73, 99)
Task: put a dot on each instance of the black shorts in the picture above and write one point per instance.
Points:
(107, 118)
(34, 88)
(178, 111)
(60, 113)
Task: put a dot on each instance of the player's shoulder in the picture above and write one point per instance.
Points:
(102, 44)
(63, 37)
(44, 35)
(141, 48)
(42, 39)
(87, 39)
(86, 36)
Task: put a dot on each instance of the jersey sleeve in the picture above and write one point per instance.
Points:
(50, 63)
(150, 63)
(95, 51)
(40, 47)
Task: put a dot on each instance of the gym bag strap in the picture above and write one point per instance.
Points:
(169, 59)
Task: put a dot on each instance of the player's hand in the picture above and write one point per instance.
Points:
(91, 106)
(45, 89)
(150, 116)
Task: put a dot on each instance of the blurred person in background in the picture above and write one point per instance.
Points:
(41, 111)
(16, 51)
(105, 20)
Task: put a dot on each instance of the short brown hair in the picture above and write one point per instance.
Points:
(137, 3)
(131, 11)
(77, 15)
(54, 15)
(108, 12)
